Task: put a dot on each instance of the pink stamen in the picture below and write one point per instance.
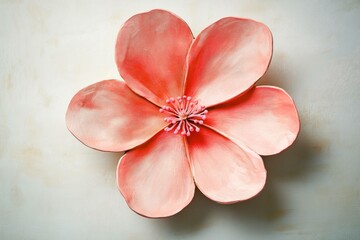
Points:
(185, 115)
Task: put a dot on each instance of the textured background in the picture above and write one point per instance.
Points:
(53, 187)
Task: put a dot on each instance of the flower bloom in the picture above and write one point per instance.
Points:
(188, 112)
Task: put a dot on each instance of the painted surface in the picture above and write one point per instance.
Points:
(53, 187)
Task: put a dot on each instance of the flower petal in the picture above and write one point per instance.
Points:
(155, 178)
(264, 119)
(227, 58)
(151, 51)
(224, 171)
(106, 116)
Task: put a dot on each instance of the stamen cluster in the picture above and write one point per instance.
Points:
(185, 115)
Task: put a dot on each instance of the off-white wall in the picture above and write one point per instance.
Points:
(53, 187)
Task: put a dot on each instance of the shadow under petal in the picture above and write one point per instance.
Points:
(191, 219)
(265, 210)
(262, 212)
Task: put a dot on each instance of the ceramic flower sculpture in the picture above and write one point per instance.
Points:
(188, 112)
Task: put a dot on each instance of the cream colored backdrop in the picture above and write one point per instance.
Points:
(53, 187)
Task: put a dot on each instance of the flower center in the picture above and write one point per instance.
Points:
(185, 115)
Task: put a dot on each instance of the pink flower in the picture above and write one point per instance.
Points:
(188, 112)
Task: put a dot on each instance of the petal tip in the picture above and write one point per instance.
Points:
(152, 186)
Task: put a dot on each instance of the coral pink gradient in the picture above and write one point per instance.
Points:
(264, 119)
(151, 52)
(203, 86)
(155, 179)
(227, 58)
(108, 116)
(224, 171)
